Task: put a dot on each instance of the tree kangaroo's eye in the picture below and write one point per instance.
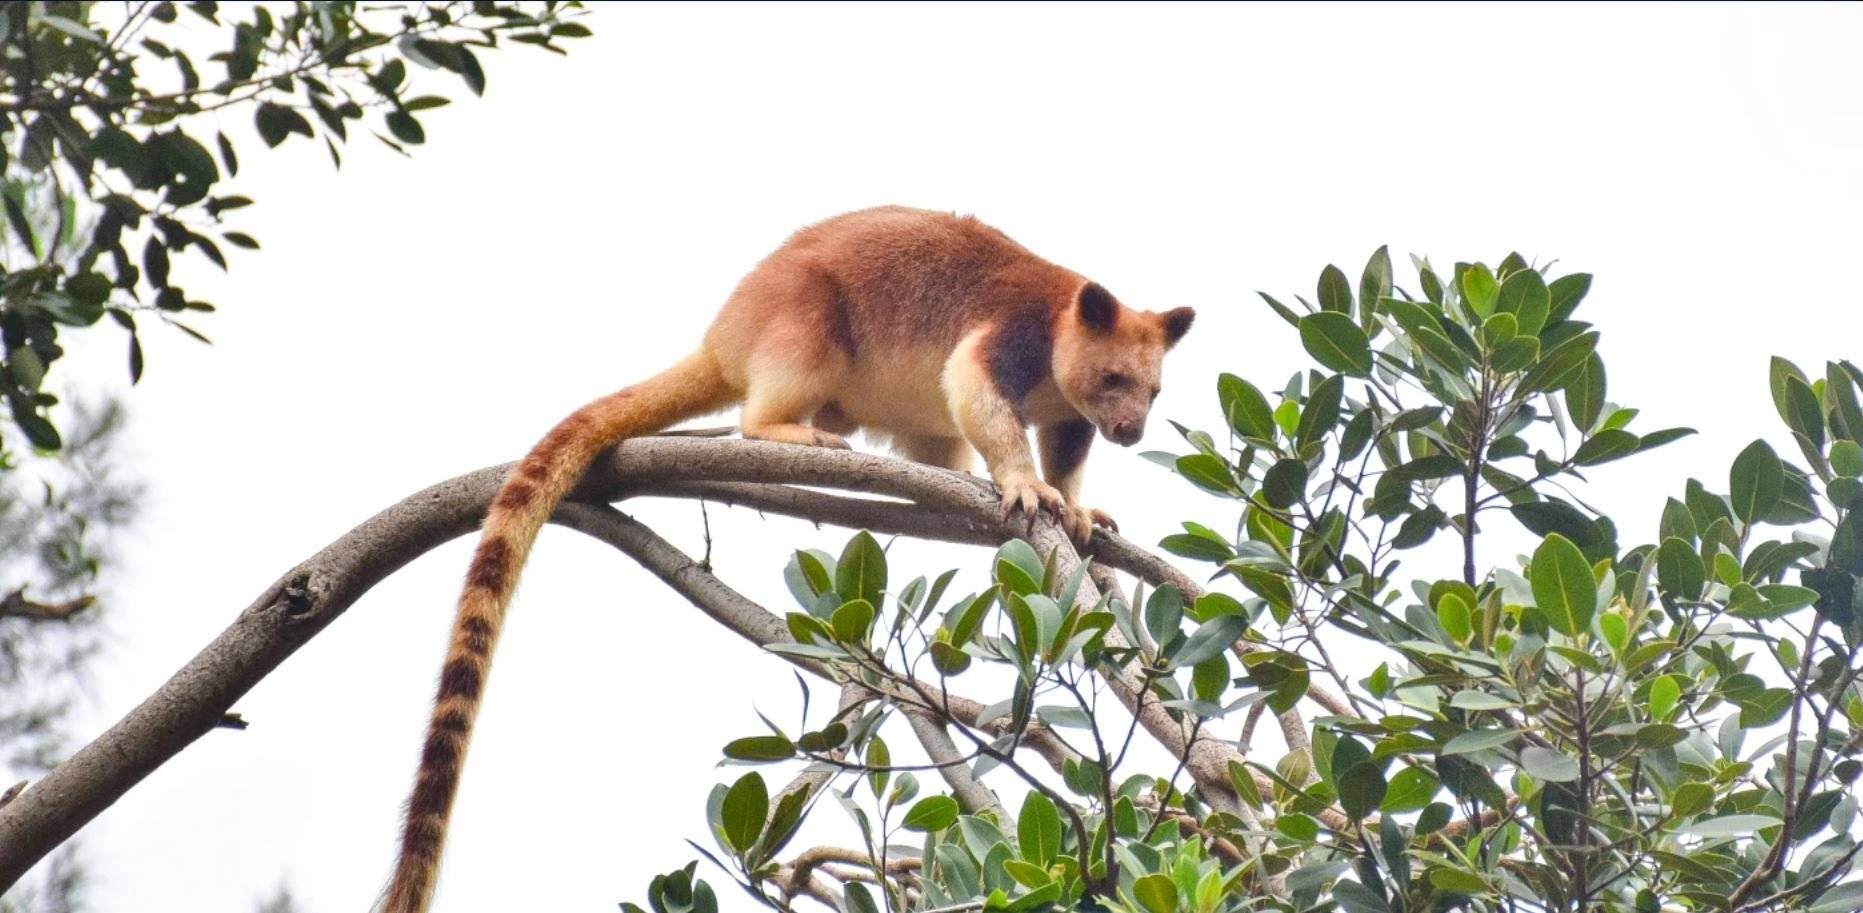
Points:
(1114, 379)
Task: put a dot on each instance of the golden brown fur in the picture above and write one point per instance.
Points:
(935, 330)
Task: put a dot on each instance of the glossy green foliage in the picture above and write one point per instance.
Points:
(1486, 701)
(119, 183)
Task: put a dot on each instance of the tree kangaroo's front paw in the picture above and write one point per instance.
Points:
(1030, 496)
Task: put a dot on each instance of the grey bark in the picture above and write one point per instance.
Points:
(934, 503)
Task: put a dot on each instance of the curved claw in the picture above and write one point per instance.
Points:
(1080, 522)
(1030, 497)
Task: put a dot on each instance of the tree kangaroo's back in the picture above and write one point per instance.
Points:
(934, 329)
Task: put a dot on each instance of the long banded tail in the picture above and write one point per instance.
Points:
(539, 483)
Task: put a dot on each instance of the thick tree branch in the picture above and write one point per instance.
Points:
(970, 793)
(307, 598)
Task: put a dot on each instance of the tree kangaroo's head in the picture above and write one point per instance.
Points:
(1108, 358)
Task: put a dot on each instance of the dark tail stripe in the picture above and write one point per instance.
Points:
(441, 751)
(491, 564)
(461, 678)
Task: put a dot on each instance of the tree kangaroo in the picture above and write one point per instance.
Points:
(934, 329)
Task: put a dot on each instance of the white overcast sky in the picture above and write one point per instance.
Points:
(571, 232)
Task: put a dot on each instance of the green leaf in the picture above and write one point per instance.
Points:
(1562, 585)
(861, 572)
(1731, 826)
(1515, 354)
(932, 813)
(1548, 766)
(1803, 412)
(1247, 410)
(1565, 293)
(1479, 289)
(746, 805)
(1411, 790)
(1558, 365)
(1479, 740)
(761, 748)
(1543, 518)
(1453, 613)
(1691, 799)
(1281, 310)
(1847, 459)
(1038, 830)
(1334, 291)
(852, 621)
(1320, 412)
(1847, 413)
(276, 122)
(1210, 639)
(1606, 446)
(879, 757)
(1438, 347)
(1584, 393)
(855, 898)
(1498, 329)
(1664, 692)
(1335, 341)
(1357, 434)
(1419, 527)
(1026, 874)
(1359, 781)
(1525, 296)
(1758, 481)
(21, 227)
(1284, 484)
(1374, 283)
(405, 128)
(1156, 892)
(1456, 881)
(1480, 700)
(1361, 788)
(1679, 569)
(1210, 473)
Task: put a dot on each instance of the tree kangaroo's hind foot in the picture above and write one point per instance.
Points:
(795, 434)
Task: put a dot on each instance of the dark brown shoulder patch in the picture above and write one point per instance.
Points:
(491, 563)
(1019, 352)
(1067, 446)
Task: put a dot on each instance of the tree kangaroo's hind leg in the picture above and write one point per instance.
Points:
(784, 389)
(949, 452)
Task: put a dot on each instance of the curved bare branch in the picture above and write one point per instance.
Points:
(297, 606)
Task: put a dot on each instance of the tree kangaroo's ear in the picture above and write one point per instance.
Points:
(1096, 306)
(1176, 323)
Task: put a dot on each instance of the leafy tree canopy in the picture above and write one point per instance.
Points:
(1593, 726)
(117, 186)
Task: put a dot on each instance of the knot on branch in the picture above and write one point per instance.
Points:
(297, 596)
